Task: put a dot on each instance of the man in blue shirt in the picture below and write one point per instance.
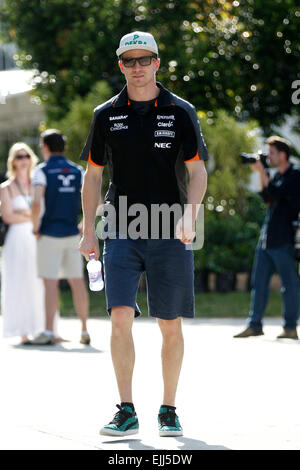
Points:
(58, 181)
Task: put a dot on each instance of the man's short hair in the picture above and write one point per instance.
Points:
(54, 140)
(282, 145)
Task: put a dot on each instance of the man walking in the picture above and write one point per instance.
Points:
(58, 181)
(151, 140)
(275, 249)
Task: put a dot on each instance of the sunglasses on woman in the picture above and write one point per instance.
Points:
(21, 156)
(144, 61)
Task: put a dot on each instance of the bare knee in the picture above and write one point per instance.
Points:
(170, 329)
(121, 319)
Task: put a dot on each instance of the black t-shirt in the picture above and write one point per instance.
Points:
(147, 146)
(142, 107)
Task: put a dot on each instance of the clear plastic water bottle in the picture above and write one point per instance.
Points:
(95, 273)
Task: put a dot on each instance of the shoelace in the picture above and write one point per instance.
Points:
(168, 418)
(120, 416)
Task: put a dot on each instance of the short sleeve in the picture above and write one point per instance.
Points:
(194, 147)
(39, 177)
(82, 175)
(94, 148)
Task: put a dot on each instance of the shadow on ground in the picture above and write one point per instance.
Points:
(58, 348)
(184, 443)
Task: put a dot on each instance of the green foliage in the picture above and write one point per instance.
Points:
(76, 123)
(233, 215)
(226, 139)
(213, 304)
(230, 238)
(218, 54)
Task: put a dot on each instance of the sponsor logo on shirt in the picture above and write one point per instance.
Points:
(66, 183)
(118, 126)
(164, 134)
(61, 170)
(162, 145)
(165, 124)
(159, 117)
(115, 118)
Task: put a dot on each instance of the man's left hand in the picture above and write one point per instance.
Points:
(185, 229)
(257, 166)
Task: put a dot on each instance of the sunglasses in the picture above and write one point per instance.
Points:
(144, 61)
(21, 156)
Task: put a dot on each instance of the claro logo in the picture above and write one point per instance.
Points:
(162, 145)
(296, 94)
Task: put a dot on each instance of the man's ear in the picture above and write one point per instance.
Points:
(284, 156)
(157, 65)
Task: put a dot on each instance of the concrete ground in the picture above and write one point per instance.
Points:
(233, 393)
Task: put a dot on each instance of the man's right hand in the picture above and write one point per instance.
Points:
(89, 242)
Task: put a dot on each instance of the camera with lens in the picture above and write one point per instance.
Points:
(248, 158)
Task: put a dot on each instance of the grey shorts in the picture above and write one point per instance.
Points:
(169, 269)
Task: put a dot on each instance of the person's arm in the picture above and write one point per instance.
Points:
(274, 190)
(264, 178)
(10, 216)
(38, 195)
(194, 153)
(91, 191)
(185, 229)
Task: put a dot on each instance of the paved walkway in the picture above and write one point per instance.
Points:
(233, 394)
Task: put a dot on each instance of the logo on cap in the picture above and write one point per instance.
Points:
(134, 41)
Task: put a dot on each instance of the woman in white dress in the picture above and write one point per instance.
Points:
(22, 302)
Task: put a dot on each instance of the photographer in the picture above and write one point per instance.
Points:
(275, 249)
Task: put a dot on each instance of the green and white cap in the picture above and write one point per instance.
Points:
(137, 40)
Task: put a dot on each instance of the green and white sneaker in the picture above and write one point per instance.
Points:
(125, 422)
(168, 422)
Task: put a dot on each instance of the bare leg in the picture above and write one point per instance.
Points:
(122, 349)
(171, 355)
(51, 301)
(80, 299)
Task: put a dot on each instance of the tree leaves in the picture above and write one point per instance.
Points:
(237, 55)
